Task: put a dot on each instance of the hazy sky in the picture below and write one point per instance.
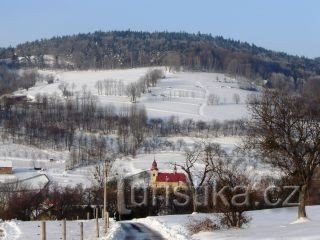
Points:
(292, 26)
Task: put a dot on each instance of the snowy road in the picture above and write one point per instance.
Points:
(139, 231)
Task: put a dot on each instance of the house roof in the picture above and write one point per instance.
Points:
(171, 177)
(5, 164)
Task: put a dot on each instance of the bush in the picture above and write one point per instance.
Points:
(234, 219)
(50, 79)
(199, 225)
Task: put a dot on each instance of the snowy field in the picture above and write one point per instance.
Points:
(25, 158)
(266, 224)
(182, 94)
(165, 159)
(272, 224)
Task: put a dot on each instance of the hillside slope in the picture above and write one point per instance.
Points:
(123, 49)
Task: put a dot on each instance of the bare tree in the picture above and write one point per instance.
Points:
(172, 61)
(96, 174)
(213, 99)
(189, 166)
(234, 183)
(287, 135)
(133, 92)
(236, 98)
(197, 166)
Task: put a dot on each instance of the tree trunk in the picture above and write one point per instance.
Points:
(194, 199)
(302, 202)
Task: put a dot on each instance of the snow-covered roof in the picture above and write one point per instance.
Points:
(5, 164)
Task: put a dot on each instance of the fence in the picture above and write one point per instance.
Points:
(95, 230)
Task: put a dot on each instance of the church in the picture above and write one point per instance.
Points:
(163, 179)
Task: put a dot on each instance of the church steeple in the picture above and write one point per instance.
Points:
(154, 173)
(154, 165)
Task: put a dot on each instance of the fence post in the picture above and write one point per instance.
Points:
(105, 223)
(64, 228)
(97, 226)
(108, 223)
(81, 231)
(43, 230)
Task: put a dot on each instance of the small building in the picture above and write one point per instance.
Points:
(164, 179)
(5, 167)
(15, 99)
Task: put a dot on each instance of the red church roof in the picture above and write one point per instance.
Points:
(168, 177)
(171, 177)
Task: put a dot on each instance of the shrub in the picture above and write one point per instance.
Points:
(199, 225)
(234, 219)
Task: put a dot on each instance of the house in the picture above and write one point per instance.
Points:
(5, 167)
(47, 204)
(164, 179)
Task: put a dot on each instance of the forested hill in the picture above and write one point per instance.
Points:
(122, 49)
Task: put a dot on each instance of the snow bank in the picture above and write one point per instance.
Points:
(270, 224)
(9, 230)
(166, 229)
(115, 232)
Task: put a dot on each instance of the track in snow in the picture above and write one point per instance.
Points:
(139, 231)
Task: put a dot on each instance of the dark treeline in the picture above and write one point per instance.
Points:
(11, 81)
(53, 202)
(123, 49)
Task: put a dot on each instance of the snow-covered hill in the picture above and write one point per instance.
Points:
(182, 94)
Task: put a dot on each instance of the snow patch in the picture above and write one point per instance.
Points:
(115, 232)
(176, 233)
(9, 230)
(301, 220)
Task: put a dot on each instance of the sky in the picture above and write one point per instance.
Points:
(291, 26)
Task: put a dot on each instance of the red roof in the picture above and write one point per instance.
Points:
(171, 177)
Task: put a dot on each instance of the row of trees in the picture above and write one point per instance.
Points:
(53, 202)
(110, 87)
(151, 79)
(133, 90)
(75, 122)
(11, 81)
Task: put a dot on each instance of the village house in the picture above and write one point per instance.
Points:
(5, 167)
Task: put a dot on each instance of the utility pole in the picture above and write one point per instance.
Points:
(105, 215)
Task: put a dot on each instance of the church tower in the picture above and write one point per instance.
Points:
(153, 173)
